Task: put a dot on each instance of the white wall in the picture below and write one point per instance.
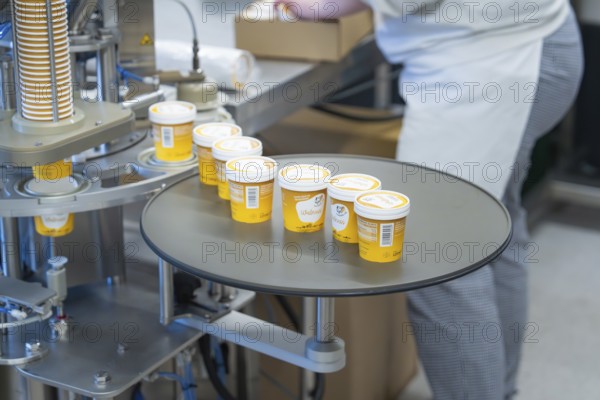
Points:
(214, 20)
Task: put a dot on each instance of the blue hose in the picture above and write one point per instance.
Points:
(128, 74)
(220, 361)
(173, 377)
(186, 382)
(137, 394)
(190, 384)
(4, 29)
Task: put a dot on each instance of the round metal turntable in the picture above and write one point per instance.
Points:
(454, 228)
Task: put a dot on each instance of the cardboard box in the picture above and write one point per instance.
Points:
(380, 361)
(265, 35)
(312, 131)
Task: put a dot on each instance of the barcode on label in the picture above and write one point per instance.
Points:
(167, 137)
(252, 196)
(387, 235)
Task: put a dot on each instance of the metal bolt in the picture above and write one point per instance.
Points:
(122, 348)
(33, 346)
(101, 377)
(98, 123)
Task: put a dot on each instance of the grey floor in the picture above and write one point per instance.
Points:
(563, 362)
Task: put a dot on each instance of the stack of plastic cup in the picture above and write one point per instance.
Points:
(33, 45)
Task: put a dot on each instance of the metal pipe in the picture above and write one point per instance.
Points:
(307, 381)
(106, 70)
(9, 238)
(79, 16)
(53, 82)
(325, 319)
(52, 250)
(167, 301)
(78, 73)
(3, 320)
(107, 227)
(215, 291)
(141, 103)
(8, 97)
(228, 293)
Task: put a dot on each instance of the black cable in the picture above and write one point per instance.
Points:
(361, 87)
(289, 311)
(185, 285)
(190, 16)
(353, 117)
(319, 391)
(137, 392)
(195, 45)
(205, 350)
(242, 367)
(196, 56)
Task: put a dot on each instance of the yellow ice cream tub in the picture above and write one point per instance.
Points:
(205, 136)
(381, 216)
(251, 181)
(227, 149)
(54, 225)
(54, 171)
(342, 191)
(304, 196)
(172, 126)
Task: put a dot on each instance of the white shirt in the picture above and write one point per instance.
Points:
(470, 71)
(434, 33)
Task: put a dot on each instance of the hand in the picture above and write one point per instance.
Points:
(321, 9)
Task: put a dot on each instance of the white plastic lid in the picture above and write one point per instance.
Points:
(382, 205)
(58, 262)
(206, 134)
(304, 177)
(252, 169)
(58, 187)
(346, 187)
(172, 112)
(232, 147)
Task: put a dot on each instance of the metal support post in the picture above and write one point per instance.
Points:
(167, 301)
(9, 238)
(325, 320)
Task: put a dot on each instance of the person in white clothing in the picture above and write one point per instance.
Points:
(482, 82)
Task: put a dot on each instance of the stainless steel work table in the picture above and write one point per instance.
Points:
(284, 87)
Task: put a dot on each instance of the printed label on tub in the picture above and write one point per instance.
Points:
(55, 221)
(168, 141)
(340, 216)
(310, 211)
(304, 173)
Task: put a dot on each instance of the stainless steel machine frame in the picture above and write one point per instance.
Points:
(118, 168)
(115, 166)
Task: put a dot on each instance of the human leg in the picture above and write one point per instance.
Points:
(560, 76)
